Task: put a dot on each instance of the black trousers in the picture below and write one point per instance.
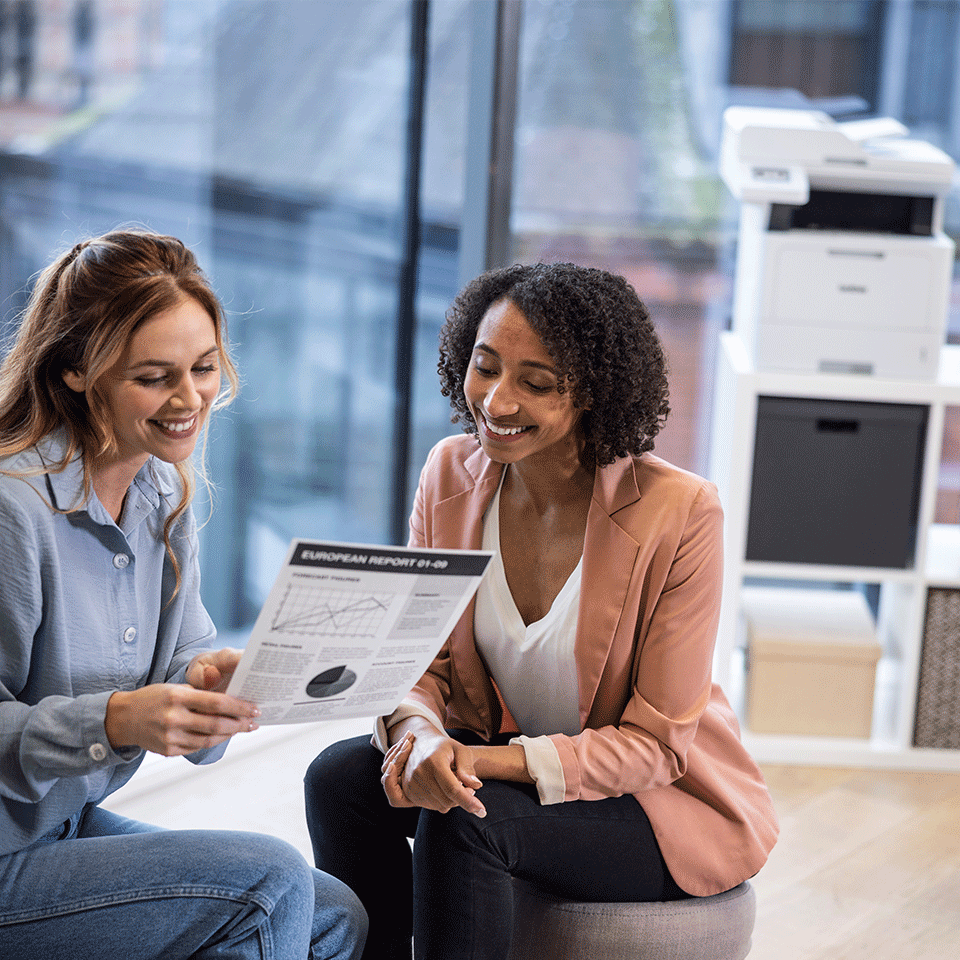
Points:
(454, 892)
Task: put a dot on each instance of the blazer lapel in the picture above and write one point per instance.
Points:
(460, 516)
(609, 557)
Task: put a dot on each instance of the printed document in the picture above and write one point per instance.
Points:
(348, 629)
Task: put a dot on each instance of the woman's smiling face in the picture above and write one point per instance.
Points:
(160, 391)
(511, 387)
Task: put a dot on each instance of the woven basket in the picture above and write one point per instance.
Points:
(938, 692)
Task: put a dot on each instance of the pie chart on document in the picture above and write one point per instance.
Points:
(330, 682)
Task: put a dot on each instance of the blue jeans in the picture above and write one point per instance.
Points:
(107, 887)
(454, 893)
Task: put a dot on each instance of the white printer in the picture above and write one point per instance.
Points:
(842, 263)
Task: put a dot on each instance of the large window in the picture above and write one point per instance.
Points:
(273, 137)
(270, 135)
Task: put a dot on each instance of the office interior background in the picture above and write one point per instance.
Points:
(342, 169)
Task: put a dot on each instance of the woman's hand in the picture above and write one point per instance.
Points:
(426, 768)
(174, 719)
(213, 670)
(394, 763)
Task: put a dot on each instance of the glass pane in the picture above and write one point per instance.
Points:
(933, 55)
(820, 47)
(442, 184)
(270, 136)
(608, 173)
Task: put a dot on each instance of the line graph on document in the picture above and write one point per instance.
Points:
(309, 610)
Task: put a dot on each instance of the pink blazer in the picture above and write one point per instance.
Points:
(654, 723)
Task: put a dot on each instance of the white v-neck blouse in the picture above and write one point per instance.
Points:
(533, 664)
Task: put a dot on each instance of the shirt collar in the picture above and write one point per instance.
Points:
(66, 486)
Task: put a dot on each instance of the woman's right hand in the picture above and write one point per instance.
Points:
(434, 772)
(173, 719)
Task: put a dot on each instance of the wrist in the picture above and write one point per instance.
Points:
(507, 762)
(419, 726)
(114, 721)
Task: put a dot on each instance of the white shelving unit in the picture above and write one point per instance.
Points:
(903, 592)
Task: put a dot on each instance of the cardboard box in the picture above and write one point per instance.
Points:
(812, 661)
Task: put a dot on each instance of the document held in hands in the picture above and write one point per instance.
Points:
(348, 629)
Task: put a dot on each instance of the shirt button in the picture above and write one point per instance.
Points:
(120, 560)
(129, 635)
(98, 752)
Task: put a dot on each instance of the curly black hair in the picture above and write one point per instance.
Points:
(600, 336)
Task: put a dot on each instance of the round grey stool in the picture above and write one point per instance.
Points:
(701, 928)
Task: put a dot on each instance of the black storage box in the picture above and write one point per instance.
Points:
(836, 482)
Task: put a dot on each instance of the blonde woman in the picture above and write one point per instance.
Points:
(106, 650)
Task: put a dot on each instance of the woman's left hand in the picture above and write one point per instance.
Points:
(213, 670)
(394, 762)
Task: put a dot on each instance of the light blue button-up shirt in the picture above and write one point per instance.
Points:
(83, 613)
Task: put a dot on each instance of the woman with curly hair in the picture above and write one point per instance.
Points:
(106, 651)
(568, 734)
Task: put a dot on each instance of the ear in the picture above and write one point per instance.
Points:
(75, 381)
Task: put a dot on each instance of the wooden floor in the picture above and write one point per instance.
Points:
(867, 867)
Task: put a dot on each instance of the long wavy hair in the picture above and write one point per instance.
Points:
(83, 310)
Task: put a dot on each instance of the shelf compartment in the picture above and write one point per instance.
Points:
(824, 470)
(812, 661)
